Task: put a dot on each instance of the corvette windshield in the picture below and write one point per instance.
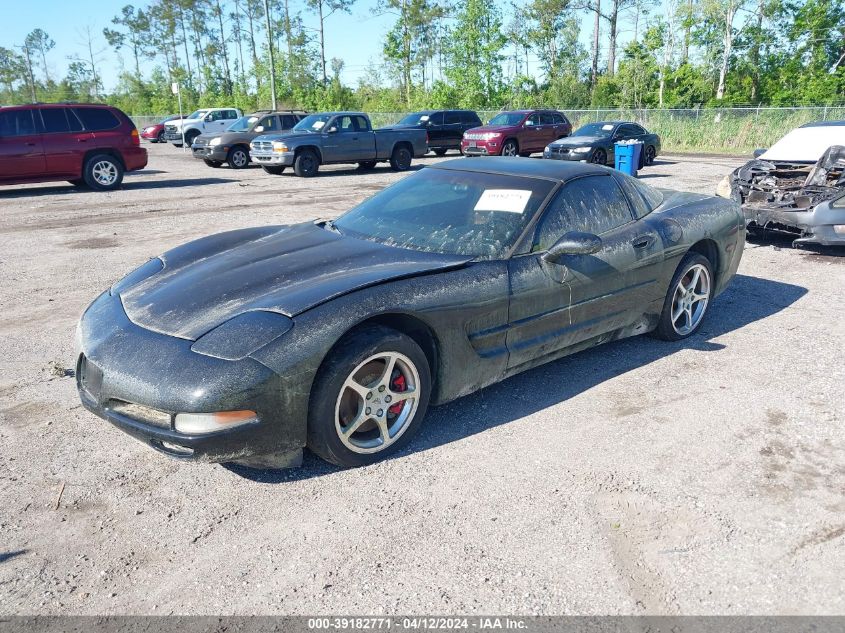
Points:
(449, 212)
(507, 118)
(312, 123)
(595, 129)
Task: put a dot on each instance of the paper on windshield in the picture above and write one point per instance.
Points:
(806, 144)
(509, 200)
(424, 117)
(318, 124)
(607, 127)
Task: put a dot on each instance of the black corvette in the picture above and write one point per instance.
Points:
(596, 143)
(249, 345)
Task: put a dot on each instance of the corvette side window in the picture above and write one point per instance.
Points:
(641, 208)
(594, 204)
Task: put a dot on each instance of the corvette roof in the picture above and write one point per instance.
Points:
(526, 167)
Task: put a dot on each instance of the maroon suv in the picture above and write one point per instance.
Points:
(85, 144)
(516, 133)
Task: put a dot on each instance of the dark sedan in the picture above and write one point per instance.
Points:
(249, 345)
(595, 143)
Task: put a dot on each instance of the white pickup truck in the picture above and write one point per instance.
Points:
(203, 121)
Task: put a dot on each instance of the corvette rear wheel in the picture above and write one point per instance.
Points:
(687, 300)
(369, 397)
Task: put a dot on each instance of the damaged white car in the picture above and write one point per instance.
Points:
(797, 186)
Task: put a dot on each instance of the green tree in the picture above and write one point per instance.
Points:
(476, 54)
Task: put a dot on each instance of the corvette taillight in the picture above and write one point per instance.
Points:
(136, 140)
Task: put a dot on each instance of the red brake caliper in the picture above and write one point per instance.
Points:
(397, 384)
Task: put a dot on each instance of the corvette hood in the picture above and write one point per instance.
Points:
(280, 269)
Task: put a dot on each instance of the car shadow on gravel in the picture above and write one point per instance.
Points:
(182, 182)
(350, 171)
(126, 186)
(780, 241)
(4, 556)
(747, 299)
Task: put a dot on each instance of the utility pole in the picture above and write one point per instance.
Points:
(272, 59)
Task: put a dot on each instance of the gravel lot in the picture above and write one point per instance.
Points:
(641, 477)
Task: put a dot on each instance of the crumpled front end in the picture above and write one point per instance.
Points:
(804, 200)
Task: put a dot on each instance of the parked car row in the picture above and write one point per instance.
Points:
(275, 139)
(44, 142)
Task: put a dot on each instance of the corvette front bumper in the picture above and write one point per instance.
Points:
(139, 380)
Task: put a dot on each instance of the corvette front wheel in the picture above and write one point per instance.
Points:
(369, 397)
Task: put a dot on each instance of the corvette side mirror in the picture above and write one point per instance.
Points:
(573, 243)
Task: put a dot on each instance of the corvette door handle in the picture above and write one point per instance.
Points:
(643, 241)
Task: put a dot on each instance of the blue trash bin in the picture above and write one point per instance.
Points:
(627, 156)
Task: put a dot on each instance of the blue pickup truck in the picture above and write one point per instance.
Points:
(329, 138)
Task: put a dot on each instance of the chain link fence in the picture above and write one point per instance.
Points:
(728, 130)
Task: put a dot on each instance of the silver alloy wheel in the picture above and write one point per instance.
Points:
(509, 149)
(239, 158)
(104, 172)
(689, 302)
(371, 413)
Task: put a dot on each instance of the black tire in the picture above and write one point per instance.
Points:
(238, 157)
(510, 148)
(160, 138)
(276, 170)
(190, 136)
(306, 164)
(325, 409)
(366, 165)
(666, 330)
(440, 151)
(401, 158)
(212, 163)
(599, 157)
(649, 154)
(103, 172)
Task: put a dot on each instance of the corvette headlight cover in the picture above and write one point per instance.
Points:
(242, 335)
(147, 269)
